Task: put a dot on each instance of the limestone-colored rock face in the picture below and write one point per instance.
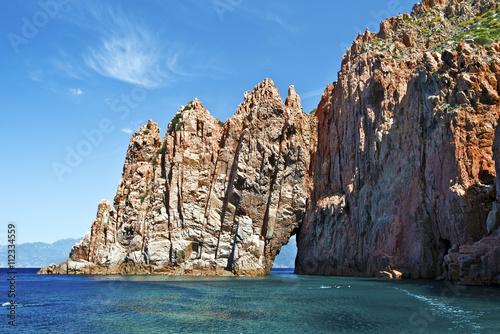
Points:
(208, 199)
(403, 172)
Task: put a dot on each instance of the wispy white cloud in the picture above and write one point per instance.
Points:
(128, 52)
(272, 17)
(35, 75)
(67, 67)
(138, 123)
(131, 126)
(128, 130)
(275, 12)
(76, 91)
(126, 48)
(173, 65)
(130, 58)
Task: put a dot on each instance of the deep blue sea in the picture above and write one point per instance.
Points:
(278, 303)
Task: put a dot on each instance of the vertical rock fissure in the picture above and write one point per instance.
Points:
(263, 231)
(233, 248)
(232, 175)
(162, 162)
(180, 186)
(341, 185)
(212, 178)
(167, 207)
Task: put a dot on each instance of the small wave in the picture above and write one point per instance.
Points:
(321, 287)
(22, 305)
(441, 308)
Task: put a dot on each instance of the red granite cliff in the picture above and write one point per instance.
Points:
(404, 172)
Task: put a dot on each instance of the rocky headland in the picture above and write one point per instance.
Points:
(393, 176)
(209, 198)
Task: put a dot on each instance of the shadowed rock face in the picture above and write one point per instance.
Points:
(207, 199)
(403, 172)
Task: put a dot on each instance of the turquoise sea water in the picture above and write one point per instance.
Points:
(279, 303)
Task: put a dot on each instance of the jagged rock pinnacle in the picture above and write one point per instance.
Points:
(293, 99)
(207, 199)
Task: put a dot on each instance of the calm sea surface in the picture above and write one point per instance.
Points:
(279, 303)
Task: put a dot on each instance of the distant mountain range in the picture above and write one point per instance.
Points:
(39, 254)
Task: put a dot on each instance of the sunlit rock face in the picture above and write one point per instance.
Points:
(210, 198)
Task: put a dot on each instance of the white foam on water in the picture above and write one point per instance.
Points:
(22, 305)
(441, 308)
(320, 287)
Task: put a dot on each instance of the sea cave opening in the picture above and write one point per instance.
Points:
(287, 255)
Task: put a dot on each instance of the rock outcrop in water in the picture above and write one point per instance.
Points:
(398, 181)
(403, 173)
(208, 199)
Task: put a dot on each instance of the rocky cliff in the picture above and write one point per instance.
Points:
(404, 172)
(393, 177)
(208, 199)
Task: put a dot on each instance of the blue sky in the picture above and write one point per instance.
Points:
(78, 77)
